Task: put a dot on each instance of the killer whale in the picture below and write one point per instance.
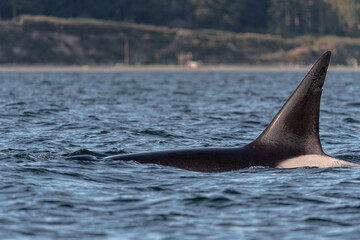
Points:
(291, 139)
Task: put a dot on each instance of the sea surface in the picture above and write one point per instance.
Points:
(46, 117)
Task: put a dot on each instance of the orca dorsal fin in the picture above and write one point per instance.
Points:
(296, 126)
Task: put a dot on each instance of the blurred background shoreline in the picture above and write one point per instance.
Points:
(174, 34)
(34, 41)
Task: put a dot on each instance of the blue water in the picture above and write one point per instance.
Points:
(48, 116)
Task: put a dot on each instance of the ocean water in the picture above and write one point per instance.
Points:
(46, 117)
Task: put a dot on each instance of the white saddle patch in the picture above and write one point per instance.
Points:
(313, 160)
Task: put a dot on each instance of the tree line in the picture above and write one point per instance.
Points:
(285, 17)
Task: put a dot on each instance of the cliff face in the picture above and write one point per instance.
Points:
(47, 40)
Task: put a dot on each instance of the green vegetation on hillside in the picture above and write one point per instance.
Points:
(284, 17)
(50, 40)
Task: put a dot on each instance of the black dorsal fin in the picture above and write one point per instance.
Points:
(296, 126)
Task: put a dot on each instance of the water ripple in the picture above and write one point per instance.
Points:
(48, 116)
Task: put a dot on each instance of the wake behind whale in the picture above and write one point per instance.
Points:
(291, 139)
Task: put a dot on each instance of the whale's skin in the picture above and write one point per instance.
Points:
(291, 140)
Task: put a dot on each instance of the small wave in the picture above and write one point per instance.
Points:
(231, 191)
(325, 221)
(355, 104)
(86, 152)
(46, 111)
(16, 104)
(252, 122)
(351, 120)
(123, 200)
(36, 170)
(24, 156)
(307, 200)
(151, 189)
(171, 216)
(155, 132)
(347, 208)
(348, 157)
(207, 200)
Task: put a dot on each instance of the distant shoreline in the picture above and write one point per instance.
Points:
(41, 43)
(168, 68)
